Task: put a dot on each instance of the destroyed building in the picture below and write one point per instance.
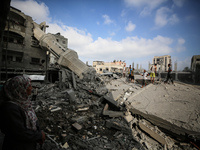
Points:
(102, 67)
(195, 68)
(162, 62)
(63, 42)
(21, 53)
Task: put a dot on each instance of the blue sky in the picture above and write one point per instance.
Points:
(130, 30)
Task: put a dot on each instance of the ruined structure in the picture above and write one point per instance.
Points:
(195, 68)
(102, 67)
(27, 49)
(162, 62)
(63, 42)
(67, 58)
(21, 53)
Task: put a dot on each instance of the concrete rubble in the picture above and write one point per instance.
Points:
(95, 113)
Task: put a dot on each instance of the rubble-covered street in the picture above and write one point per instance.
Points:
(94, 113)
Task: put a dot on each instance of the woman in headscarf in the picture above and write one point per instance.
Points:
(18, 120)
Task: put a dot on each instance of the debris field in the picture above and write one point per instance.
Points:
(84, 114)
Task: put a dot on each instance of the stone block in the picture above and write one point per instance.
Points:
(77, 126)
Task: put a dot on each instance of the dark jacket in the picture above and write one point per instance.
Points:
(13, 125)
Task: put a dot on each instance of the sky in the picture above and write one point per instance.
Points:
(126, 30)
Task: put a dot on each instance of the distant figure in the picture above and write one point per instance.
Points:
(18, 120)
(153, 72)
(145, 74)
(169, 76)
(129, 70)
(132, 75)
(124, 71)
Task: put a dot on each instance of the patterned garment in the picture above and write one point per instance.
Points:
(16, 91)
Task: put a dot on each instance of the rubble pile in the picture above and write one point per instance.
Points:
(75, 114)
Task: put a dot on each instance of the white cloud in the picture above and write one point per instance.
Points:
(179, 3)
(108, 49)
(112, 34)
(130, 27)
(107, 19)
(179, 46)
(101, 49)
(76, 38)
(164, 16)
(146, 5)
(38, 11)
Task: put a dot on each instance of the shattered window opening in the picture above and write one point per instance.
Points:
(35, 60)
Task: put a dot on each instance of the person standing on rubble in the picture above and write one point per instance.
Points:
(129, 71)
(145, 74)
(132, 75)
(18, 120)
(124, 71)
(153, 72)
(169, 76)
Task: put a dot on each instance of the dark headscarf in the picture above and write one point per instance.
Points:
(16, 90)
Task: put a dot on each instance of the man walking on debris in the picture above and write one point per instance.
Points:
(18, 120)
(132, 75)
(145, 74)
(129, 71)
(169, 76)
(153, 72)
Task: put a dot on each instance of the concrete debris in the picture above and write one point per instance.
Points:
(155, 133)
(56, 109)
(66, 145)
(118, 126)
(112, 113)
(95, 113)
(128, 118)
(77, 126)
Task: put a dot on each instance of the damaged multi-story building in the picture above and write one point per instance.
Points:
(27, 49)
(21, 53)
(102, 67)
(162, 62)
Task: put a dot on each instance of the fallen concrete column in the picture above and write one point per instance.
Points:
(67, 58)
(70, 60)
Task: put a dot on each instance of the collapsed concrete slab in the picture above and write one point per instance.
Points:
(175, 109)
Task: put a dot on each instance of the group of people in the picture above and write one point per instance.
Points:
(145, 74)
(18, 120)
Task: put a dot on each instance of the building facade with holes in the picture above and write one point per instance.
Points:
(162, 62)
(21, 53)
(103, 67)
